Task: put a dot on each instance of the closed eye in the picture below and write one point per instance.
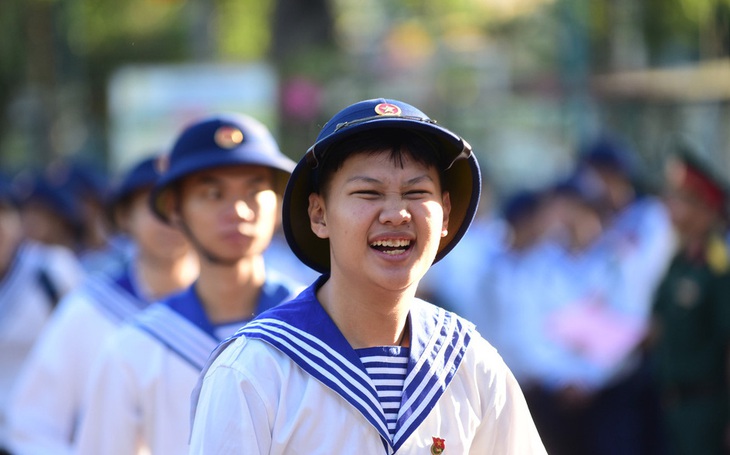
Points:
(417, 194)
(367, 194)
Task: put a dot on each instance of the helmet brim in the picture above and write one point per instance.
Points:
(245, 156)
(461, 178)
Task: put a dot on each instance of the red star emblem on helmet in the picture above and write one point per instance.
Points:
(387, 109)
(228, 137)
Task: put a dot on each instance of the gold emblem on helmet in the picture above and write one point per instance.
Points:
(387, 109)
(228, 137)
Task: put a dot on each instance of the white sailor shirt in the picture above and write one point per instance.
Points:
(46, 404)
(139, 394)
(38, 276)
(289, 383)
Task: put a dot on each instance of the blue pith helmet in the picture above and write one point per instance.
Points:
(220, 141)
(140, 176)
(85, 180)
(461, 174)
(51, 191)
(612, 153)
(8, 196)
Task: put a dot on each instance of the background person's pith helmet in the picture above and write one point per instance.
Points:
(219, 141)
(461, 173)
(141, 176)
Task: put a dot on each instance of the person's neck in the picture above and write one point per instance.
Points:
(159, 277)
(230, 292)
(368, 317)
(7, 256)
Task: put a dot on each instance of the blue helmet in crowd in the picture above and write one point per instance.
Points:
(8, 197)
(612, 153)
(219, 141)
(141, 176)
(460, 172)
(521, 205)
(50, 190)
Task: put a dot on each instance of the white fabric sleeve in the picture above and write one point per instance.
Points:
(230, 417)
(507, 427)
(112, 422)
(46, 400)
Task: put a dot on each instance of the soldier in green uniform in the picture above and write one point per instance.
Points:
(692, 313)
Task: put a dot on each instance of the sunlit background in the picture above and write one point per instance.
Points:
(524, 81)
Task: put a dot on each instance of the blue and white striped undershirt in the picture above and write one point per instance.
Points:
(387, 367)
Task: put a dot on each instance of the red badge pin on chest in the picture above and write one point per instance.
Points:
(438, 446)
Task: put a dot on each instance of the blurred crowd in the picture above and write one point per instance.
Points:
(80, 253)
(605, 297)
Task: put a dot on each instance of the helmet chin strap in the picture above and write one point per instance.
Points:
(206, 253)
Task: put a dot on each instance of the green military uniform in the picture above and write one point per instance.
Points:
(692, 308)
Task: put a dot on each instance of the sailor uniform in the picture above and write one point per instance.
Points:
(30, 289)
(139, 394)
(642, 241)
(387, 366)
(516, 296)
(289, 382)
(43, 419)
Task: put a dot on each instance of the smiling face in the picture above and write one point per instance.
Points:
(232, 212)
(384, 218)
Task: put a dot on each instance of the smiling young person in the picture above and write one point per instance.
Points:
(221, 190)
(356, 363)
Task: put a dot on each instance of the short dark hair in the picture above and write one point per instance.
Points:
(401, 144)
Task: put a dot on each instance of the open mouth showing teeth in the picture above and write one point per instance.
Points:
(393, 247)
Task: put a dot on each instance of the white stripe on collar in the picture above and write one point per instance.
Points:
(177, 333)
(428, 375)
(116, 302)
(324, 363)
(428, 380)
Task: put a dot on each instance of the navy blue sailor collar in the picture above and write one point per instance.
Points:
(188, 304)
(180, 323)
(118, 298)
(129, 282)
(303, 331)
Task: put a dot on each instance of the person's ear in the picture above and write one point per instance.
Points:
(279, 211)
(317, 216)
(170, 206)
(446, 204)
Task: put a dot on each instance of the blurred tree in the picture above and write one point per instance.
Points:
(305, 54)
(56, 58)
(57, 55)
(12, 55)
(242, 28)
(682, 30)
